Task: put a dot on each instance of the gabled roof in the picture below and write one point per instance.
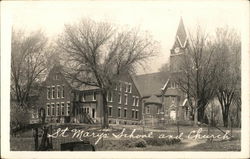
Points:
(136, 84)
(150, 84)
(181, 35)
(153, 99)
(72, 83)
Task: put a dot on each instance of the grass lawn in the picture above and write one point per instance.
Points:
(25, 141)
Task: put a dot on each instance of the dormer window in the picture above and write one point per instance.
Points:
(172, 84)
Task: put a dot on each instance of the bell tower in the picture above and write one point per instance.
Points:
(179, 48)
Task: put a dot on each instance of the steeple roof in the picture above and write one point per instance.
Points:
(181, 35)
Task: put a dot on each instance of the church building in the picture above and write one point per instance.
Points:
(162, 99)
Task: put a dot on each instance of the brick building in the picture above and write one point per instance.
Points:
(63, 101)
(149, 98)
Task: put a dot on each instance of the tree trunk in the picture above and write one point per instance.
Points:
(105, 123)
(225, 119)
(201, 114)
(225, 115)
(195, 116)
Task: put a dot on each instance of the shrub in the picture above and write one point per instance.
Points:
(155, 141)
(133, 143)
(160, 142)
(140, 143)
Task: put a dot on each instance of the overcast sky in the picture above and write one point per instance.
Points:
(160, 18)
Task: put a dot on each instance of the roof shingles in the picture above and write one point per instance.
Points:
(150, 84)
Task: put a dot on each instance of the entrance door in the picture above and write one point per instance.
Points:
(93, 113)
(173, 114)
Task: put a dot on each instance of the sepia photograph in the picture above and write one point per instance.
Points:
(125, 77)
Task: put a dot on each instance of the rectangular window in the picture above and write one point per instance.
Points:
(48, 110)
(57, 109)
(109, 96)
(120, 86)
(137, 101)
(126, 99)
(94, 96)
(126, 87)
(172, 84)
(134, 100)
(125, 113)
(48, 93)
(147, 110)
(119, 112)
(58, 91)
(120, 98)
(110, 111)
(68, 109)
(130, 88)
(172, 99)
(62, 108)
(133, 113)
(83, 97)
(62, 91)
(87, 110)
(53, 92)
(136, 114)
(53, 109)
(158, 110)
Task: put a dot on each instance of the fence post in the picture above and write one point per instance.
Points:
(51, 145)
(36, 138)
(231, 129)
(178, 127)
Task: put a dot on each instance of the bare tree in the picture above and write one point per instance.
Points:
(198, 73)
(228, 48)
(98, 53)
(213, 112)
(27, 63)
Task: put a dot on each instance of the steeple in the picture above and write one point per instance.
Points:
(179, 48)
(181, 35)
